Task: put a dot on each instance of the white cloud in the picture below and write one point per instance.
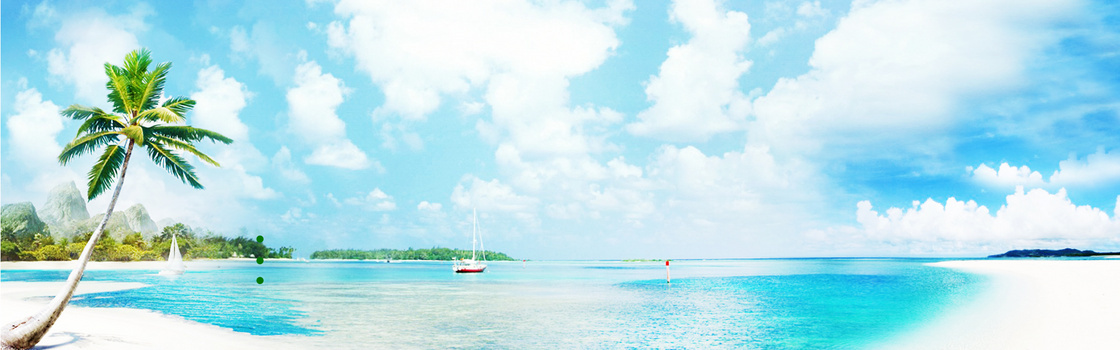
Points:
(417, 51)
(490, 196)
(313, 118)
(1098, 169)
(375, 200)
(1035, 218)
(219, 101)
(219, 104)
(282, 161)
(33, 141)
(340, 154)
(431, 207)
(88, 40)
(1007, 176)
(696, 93)
(892, 73)
(33, 130)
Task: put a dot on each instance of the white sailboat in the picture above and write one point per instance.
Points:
(174, 260)
(472, 265)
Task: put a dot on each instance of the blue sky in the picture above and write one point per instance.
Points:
(604, 129)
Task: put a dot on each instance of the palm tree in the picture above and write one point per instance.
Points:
(137, 120)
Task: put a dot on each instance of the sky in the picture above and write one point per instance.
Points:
(602, 129)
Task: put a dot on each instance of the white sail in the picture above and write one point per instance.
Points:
(174, 260)
(472, 265)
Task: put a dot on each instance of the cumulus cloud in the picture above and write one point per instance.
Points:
(87, 41)
(33, 139)
(892, 73)
(696, 93)
(375, 200)
(1007, 176)
(313, 118)
(1035, 218)
(490, 196)
(419, 50)
(220, 100)
(1098, 169)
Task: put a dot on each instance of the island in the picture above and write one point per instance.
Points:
(1049, 253)
(435, 253)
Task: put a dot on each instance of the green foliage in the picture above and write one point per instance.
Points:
(135, 248)
(435, 253)
(9, 250)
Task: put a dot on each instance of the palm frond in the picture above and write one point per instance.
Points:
(86, 144)
(80, 112)
(137, 61)
(186, 147)
(188, 134)
(100, 123)
(174, 164)
(153, 86)
(161, 114)
(180, 105)
(135, 133)
(104, 172)
(119, 86)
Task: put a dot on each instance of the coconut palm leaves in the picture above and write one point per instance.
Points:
(137, 119)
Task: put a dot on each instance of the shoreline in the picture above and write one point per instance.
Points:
(1025, 303)
(124, 328)
(1028, 304)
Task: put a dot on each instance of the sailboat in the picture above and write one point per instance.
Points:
(174, 260)
(471, 265)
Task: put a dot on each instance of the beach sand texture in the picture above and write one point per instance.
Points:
(120, 328)
(1030, 304)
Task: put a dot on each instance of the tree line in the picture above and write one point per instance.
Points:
(134, 247)
(435, 253)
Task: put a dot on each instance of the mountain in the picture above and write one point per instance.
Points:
(139, 221)
(123, 223)
(21, 220)
(65, 211)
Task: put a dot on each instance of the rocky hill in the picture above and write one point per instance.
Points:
(65, 215)
(65, 211)
(21, 220)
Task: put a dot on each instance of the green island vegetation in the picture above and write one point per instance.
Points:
(41, 246)
(435, 253)
(1048, 253)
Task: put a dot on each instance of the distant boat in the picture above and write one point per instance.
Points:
(471, 265)
(174, 260)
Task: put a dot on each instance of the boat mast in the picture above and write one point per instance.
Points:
(474, 234)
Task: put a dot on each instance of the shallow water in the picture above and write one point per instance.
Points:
(764, 304)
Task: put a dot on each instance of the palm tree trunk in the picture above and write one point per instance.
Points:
(25, 333)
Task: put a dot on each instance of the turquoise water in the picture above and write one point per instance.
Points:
(753, 304)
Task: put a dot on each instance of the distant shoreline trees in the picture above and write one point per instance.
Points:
(133, 247)
(435, 253)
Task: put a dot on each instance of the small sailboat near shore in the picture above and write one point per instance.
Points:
(472, 265)
(174, 260)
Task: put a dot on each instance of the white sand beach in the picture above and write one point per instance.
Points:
(119, 328)
(1032, 304)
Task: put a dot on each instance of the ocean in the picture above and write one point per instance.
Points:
(710, 304)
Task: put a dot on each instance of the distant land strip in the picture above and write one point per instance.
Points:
(436, 253)
(1048, 253)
